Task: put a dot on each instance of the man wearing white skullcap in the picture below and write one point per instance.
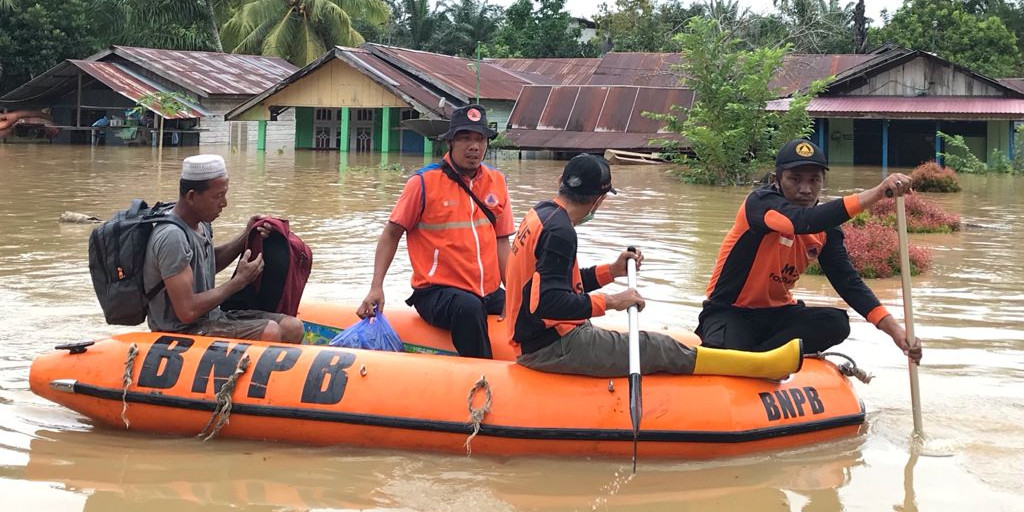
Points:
(186, 264)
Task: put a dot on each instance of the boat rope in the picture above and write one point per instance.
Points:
(849, 368)
(476, 415)
(222, 413)
(129, 366)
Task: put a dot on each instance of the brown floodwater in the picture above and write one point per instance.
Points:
(969, 311)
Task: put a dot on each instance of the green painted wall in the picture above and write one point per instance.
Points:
(998, 138)
(840, 141)
(303, 127)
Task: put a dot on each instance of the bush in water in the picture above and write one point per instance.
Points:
(923, 216)
(932, 177)
(875, 251)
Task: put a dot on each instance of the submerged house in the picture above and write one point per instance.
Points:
(102, 88)
(367, 98)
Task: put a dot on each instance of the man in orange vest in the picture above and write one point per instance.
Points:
(458, 219)
(551, 299)
(780, 229)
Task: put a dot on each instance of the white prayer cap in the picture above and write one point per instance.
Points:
(203, 168)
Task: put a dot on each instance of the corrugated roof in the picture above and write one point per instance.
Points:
(550, 71)
(453, 75)
(921, 107)
(211, 73)
(131, 86)
(1016, 84)
(799, 70)
(591, 117)
(643, 69)
(402, 85)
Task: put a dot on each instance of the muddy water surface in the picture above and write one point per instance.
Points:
(970, 311)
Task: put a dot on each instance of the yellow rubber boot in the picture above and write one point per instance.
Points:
(774, 364)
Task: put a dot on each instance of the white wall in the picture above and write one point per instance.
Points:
(217, 131)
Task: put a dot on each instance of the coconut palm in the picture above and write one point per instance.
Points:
(174, 24)
(465, 23)
(299, 31)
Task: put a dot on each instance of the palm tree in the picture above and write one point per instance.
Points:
(419, 23)
(175, 24)
(299, 31)
(467, 22)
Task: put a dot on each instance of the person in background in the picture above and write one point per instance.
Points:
(187, 262)
(551, 300)
(457, 218)
(779, 230)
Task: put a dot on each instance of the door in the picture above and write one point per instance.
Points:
(325, 128)
(362, 129)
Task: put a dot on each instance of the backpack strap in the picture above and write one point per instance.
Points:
(448, 171)
(163, 218)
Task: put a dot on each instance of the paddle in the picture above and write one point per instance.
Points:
(908, 310)
(636, 408)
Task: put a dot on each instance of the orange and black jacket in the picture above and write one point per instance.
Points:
(547, 294)
(770, 246)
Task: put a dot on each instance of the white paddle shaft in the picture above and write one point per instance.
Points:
(634, 322)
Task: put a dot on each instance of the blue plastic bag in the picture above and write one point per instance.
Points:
(370, 333)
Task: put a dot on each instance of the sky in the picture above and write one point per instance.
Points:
(589, 8)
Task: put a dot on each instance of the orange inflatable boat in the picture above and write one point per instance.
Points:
(323, 395)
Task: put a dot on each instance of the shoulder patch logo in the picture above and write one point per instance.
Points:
(491, 200)
(804, 149)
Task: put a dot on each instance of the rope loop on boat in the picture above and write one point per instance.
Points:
(476, 415)
(222, 413)
(849, 368)
(129, 366)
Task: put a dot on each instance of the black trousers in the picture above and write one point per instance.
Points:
(461, 312)
(758, 330)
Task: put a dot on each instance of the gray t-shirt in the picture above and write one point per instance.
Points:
(168, 252)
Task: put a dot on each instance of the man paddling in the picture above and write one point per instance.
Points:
(458, 219)
(780, 229)
(551, 300)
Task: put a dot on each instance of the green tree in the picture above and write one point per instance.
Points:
(730, 130)
(170, 24)
(299, 31)
(464, 23)
(979, 42)
(538, 30)
(643, 25)
(36, 36)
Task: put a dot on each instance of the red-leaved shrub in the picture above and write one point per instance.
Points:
(923, 216)
(932, 177)
(875, 251)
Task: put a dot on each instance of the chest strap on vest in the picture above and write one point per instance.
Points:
(448, 171)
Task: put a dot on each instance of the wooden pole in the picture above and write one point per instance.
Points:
(908, 313)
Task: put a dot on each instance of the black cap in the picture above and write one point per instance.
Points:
(800, 152)
(471, 118)
(588, 175)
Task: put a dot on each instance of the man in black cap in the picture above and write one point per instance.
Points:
(780, 229)
(551, 300)
(458, 218)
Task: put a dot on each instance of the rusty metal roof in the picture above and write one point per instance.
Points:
(1016, 84)
(643, 69)
(210, 73)
(453, 75)
(417, 95)
(550, 71)
(920, 107)
(63, 79)
(799, 70)
(591, 117)
(132, 86)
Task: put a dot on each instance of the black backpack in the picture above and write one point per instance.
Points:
(117, 252)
